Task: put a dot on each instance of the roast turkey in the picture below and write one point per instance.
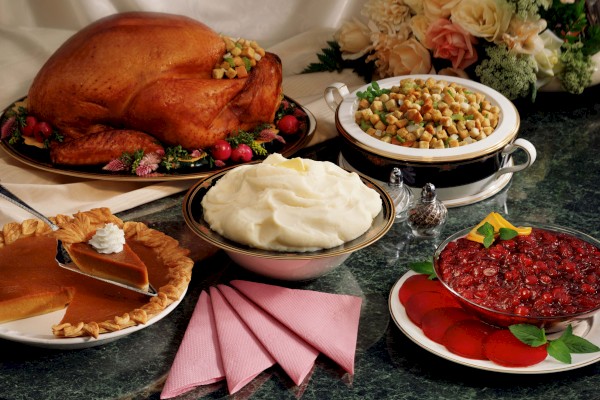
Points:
(146, 79)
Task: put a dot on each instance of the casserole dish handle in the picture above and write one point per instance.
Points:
(518, 144)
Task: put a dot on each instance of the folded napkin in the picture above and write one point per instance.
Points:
(243, 355)
(295, 356)
(329, 322)
(198, 360)
(251, 336)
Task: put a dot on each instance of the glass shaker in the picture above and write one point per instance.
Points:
(428, 216)
(400, 194)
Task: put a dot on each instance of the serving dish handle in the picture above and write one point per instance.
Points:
(334, 94)
(518, 144)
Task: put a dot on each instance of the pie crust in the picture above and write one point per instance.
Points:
(169, 267)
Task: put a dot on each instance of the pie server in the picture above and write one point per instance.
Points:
(62, 257)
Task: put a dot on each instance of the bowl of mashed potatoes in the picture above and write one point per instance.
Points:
(458, 134)
(289, 219)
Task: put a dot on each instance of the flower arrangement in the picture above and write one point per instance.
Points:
(513, 46)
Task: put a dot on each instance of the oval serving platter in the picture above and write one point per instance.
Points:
(39, 158)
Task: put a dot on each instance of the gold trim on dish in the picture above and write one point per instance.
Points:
(192, 213)
(423, 159)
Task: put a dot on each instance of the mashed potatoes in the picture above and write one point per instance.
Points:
(290, 205)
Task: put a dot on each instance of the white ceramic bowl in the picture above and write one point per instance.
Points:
(290, 266)
(468, 167)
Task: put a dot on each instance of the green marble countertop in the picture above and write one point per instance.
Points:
(561, 187)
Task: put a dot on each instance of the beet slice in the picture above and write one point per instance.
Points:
(503, 348)
(465, 338)
(420, 303)
(418, 283)
(437, 321)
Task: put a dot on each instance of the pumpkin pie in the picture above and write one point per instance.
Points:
(31, 283)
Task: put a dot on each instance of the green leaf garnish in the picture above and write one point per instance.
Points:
(529, 334)
(577, 344)
(486, 229)
(423, 267)
(559, 351)
(507, 233)
(561, 348)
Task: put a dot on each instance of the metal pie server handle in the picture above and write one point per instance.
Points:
(62, 257)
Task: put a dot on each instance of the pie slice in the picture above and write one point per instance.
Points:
(124, 267)
(31, 283)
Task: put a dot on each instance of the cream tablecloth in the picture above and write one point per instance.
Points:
(31, 30)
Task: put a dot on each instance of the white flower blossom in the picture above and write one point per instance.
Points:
(388, 15)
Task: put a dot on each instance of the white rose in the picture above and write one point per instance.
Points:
(487, 19)
(434, 9)
(548, 57)
(388, 15)
(416, 6)
(523, 36)
(354, 39)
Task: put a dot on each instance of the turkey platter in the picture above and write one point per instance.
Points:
(145, 81)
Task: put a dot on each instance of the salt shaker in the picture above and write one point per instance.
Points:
(427, 217)
(400, 194)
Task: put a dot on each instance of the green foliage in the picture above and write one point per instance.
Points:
(569, 22)
(509, 73)
(330, 59)
(577, 70)
(529, 8)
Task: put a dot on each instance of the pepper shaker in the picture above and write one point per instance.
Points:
(400, 194)
(427, 217)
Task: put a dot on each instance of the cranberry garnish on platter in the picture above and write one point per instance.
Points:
(511, 285)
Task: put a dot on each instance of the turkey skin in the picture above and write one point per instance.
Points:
(147, 79)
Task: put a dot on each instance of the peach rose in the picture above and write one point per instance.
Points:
(409, 57)
(419, 25)
(401, 58)
(354, 39)
(488, 19)
(451, 42)
(434, 9)
(458, 73)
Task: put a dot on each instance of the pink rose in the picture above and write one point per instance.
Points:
(450, 41)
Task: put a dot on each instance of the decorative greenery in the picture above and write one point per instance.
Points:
(330, 60)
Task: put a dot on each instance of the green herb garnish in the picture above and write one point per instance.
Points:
(423, 267)
(561, 348)
(487, 231)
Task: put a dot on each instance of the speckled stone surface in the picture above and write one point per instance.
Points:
(561, 187)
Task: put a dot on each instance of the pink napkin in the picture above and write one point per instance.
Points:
(237, 334)
(328, 322)
(243, 355)
(198, 360)
(295, 356)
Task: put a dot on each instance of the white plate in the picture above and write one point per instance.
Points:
(37, 331)
(589, 331)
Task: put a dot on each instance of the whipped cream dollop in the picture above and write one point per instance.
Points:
(108, 239)
(290, 205)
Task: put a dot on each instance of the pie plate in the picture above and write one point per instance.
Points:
(36, 331)
(588, 329)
